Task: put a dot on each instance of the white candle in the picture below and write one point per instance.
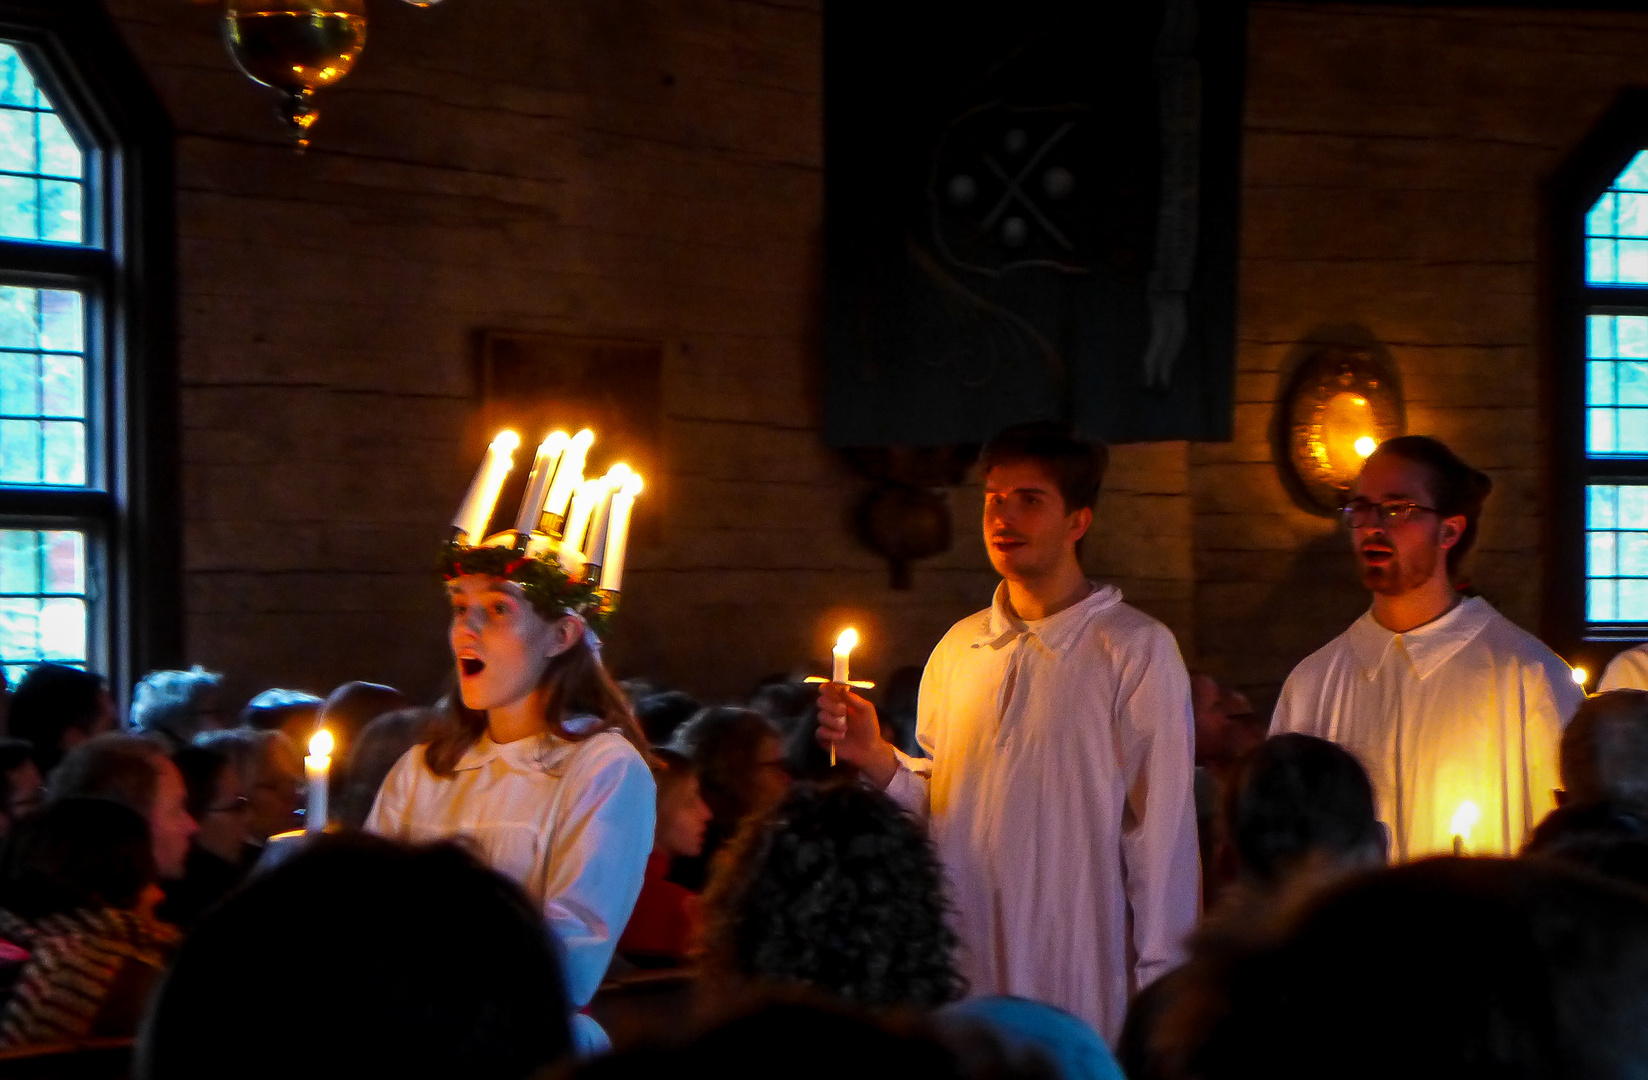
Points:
(600, 522)
(612, 564)
(843, 649)
(567, 480)
(577, 518)
(1464, 820)
(316, 767)
(549, 456)
(476, 509)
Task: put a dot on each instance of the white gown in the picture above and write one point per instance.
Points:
(1469, 707)
(1059, 798)
(1627, 671)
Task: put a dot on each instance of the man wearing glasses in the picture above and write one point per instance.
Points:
(1444, 700)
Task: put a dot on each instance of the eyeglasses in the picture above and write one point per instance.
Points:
(233, 806)
(1361, 513)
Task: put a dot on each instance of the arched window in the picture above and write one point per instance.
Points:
(85, 373)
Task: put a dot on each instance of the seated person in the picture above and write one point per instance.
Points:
(1604, 752)
(22, 789)
(346, 712)
(271, 776)
(217, 859)
(175, 706)
(136, 772)
(77, 889)
(664, 926)
(378, 746)
(294, 712)
(56, 708)
(663, 713)
(413, 963)
(836, 891)
(742, 769)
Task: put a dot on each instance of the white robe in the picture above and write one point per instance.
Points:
(1627, 671)
(1469, 707)
(1059, 799)
(571, 822)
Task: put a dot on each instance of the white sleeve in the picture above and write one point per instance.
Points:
(597, 860)
(1160, 856)
(391, 810)
(1627, 671)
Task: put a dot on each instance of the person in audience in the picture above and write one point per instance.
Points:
(295, 713)
(77, 889)
(1059, 792)
(175, 706)
(1440, 969)
(56, 708)
(1226, 729)
(1603, 755)
(137, 773)
(1031, 1029)
(540, 763)
(836, 890)
(1442, 698)
(271, 776)
(348, 709)
(664, 926)
(22, 789)
(792, 706)
(380, 744)
(662, 713)
(370, 958)
(1595, 836)
(742, 769)
(217, 859)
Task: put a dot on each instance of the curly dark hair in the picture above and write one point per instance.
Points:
(838, 890)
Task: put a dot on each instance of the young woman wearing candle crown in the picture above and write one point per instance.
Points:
(541, 766)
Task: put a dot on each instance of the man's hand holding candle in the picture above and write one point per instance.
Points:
(849, 723)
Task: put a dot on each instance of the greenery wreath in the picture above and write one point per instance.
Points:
(551, 591)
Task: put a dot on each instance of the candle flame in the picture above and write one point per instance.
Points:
(847, 641)
(632, 486)
(321, 744)
(1581, 676)
(556, 441)
(583, 438)
(506, 441)
(1366, 445)
(1465, 819)
(618, 474)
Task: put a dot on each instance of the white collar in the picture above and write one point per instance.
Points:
(1001, 624)
(1427, 647)
(546, 752)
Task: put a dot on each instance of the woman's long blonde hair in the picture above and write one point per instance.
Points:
(578, 685)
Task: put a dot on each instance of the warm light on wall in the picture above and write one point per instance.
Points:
(1366, 445)
(1341, 403)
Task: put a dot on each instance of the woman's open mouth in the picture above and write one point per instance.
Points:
(471, 665)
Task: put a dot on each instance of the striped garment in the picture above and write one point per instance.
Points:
(88, 972)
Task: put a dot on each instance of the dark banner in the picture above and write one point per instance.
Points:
(1031, 213)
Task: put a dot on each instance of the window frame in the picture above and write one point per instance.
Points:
(130, 507)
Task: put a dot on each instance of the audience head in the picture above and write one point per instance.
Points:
(418, 962)
(137, 773)
(662, 713)
(56, 708)
(178, 705)
(22, 789)
(295, 713)
(348, 709)
(270, 767)
(1595, 836)
(1604, 755)
(380, 744)
(216, 800)
(1226, 727)
(1438, 969)
(1298, 800)
(740, 759)
(1040, 484)
(1446, 497)
(76, 853)
(837, 890)
(682, 814)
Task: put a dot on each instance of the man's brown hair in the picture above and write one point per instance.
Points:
(1075, 464)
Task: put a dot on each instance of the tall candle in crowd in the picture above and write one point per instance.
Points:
(577, 518)
(316, 767)
(568, 477)
(838, 668)
(600, 521)
(544, 465)
(476, 509)
(612, 563)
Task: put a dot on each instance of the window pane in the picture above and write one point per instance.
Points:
(1601, 600)
(42, 387)
(1600, 503)
(43, 604)
(43, 197)
(1600, 438)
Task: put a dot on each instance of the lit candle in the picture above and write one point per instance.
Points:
(612, 564)
(838, 669)
(567, 480)
(1581, 677)
(549, 456)
(577, 518)
(1366, 445)
(315, 768)
(469, 526)
(1464, 820)
(600, 522)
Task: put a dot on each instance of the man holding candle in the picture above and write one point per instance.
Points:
(1058, 792)
(1445, 701)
